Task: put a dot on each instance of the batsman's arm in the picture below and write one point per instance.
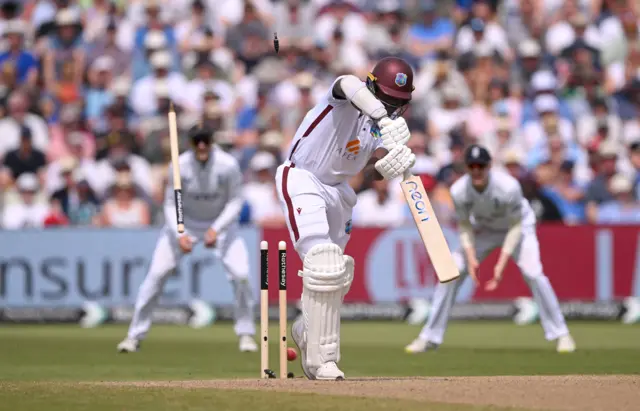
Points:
(350, 87)
(231, 212)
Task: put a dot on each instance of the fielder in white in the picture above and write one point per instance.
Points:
(211, 189)
(355, 127)
(492, 213)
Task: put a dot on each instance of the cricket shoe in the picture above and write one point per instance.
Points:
(420, 345)
(329, 371)
(297, 333)
(128, 345)
(566, 344)
(247, 344)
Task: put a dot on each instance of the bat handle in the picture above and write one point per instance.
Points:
(407, 174)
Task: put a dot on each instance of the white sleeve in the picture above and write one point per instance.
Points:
(231, 212)
(357, 93)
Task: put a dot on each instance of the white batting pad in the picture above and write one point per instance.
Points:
(326, 278)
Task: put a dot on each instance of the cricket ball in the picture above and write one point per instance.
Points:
(291, 354)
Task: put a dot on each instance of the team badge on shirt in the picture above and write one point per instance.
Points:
(353, 147)
(348, 227)
(375, 131)
(401, 79)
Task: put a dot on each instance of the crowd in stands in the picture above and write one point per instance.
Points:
(551, 87)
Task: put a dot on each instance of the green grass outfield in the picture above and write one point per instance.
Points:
(46, 367)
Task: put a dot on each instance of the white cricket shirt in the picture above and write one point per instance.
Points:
(494, 209)
(335, 141)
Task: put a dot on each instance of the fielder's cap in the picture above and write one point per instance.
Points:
(620, 183)
(546, 103)
(161, 60)
(529, 48)
(476, 154)
(262, 161)
(543, 80)
(155, 39)
(27, 182)
(608, 149)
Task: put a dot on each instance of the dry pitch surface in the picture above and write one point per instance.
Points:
(561, 393)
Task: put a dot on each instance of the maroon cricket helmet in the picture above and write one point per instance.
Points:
(392, 77)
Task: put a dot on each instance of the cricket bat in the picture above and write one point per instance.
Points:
(175, 161)
(429, 228)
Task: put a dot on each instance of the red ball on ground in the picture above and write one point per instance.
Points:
(291, 354)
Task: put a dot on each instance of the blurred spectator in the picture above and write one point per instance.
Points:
(572, 26)
(432, 79)
(27, 212)
(292, 21)
(24, 159)
(261, 193)
(565, 193)
(76, 199)
(24, 63)
(623, 208)
(599, 191)
(69, 133)
(340, 16)
(19, 116)
(64, 58)
(124, 209)
(378, 208)
(487, 32)
(431, 33)
(549, 124)
(107, 46)
(143, 95)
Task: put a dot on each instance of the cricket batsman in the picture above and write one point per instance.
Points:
(211, 188)
(492, 213)
(355, 127)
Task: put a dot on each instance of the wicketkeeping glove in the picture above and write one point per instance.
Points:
(396, 162)
(393, 132)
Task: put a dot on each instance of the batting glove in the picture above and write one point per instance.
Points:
(398, 160)
(393, 132)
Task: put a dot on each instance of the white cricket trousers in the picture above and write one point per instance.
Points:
(230, 249)
(527, 257)
(316, 213)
